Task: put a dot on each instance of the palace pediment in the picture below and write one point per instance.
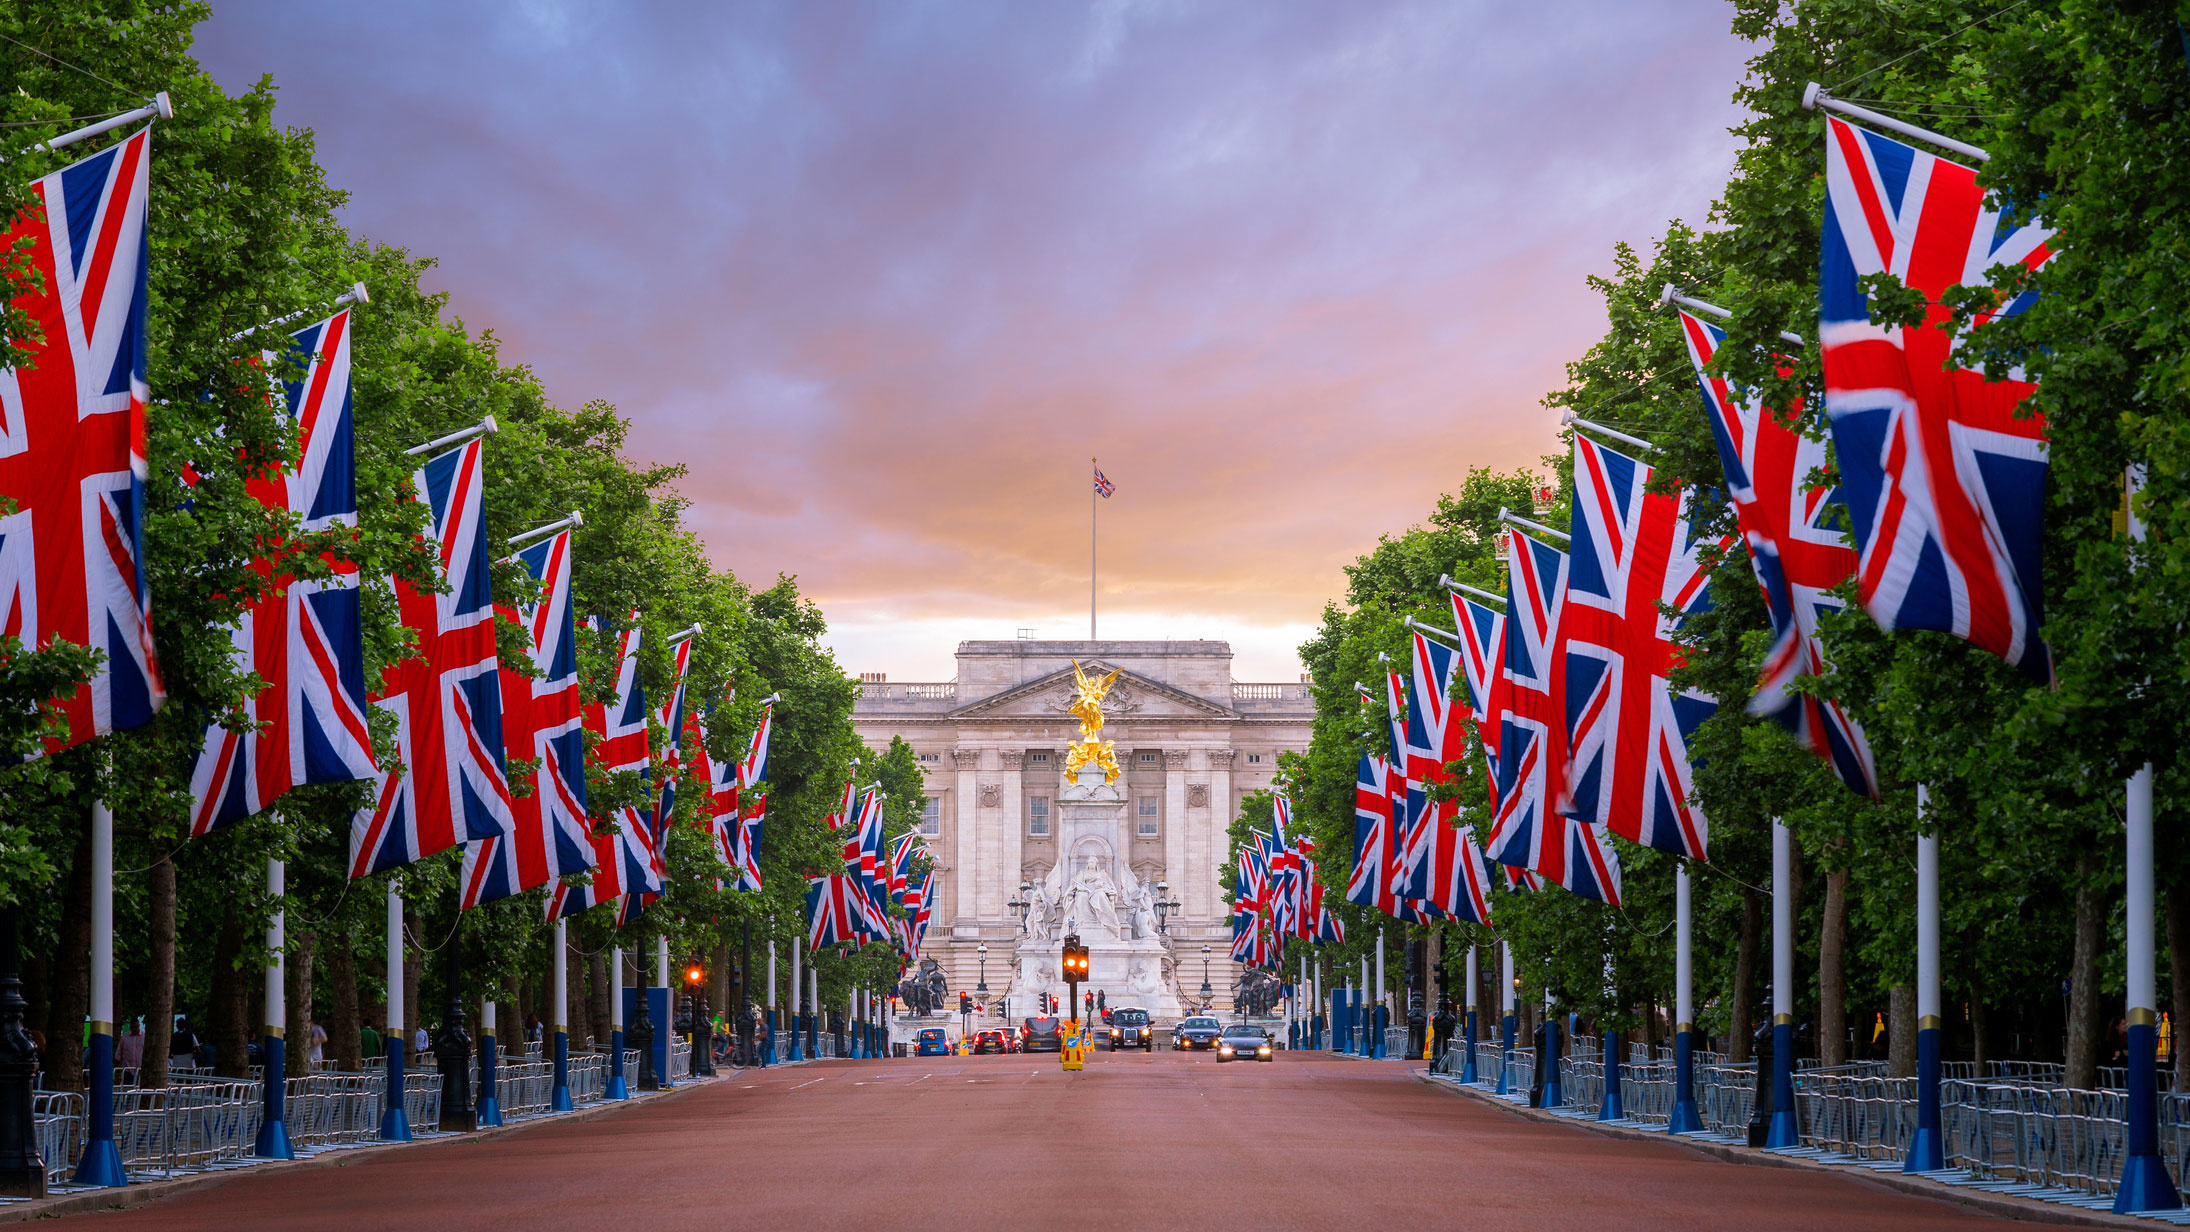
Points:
(1132, 697)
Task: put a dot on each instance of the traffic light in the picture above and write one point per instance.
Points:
(1075, 963)
(693, 974)
(965, 1004)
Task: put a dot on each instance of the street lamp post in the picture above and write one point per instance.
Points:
(1165, 905)
(1023, 904)
(1206, 991)
(982, 987)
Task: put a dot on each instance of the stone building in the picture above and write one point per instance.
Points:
(1190, 740)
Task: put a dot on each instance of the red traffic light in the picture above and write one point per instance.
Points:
(694, 975)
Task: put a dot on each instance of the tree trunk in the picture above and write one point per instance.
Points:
(71, 987)
(576, 1019)
(345, 1020)
(2085, 1029)
(1832, 972)
(414, 962)
(160, 995)
(2178, 980)
(1978, 1050)
(1741, 1007)
(303, 947)
(597, 999)
(1901, 1032)
(231, 1025)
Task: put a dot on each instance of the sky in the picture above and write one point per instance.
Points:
(886, 276)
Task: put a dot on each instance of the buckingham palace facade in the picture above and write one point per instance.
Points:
(1191, 742)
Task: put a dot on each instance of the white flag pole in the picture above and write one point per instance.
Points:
(395, 1119)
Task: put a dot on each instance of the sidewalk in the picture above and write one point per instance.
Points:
(2029, 1202)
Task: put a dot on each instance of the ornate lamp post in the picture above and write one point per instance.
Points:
(981, 989)
(22, 1172)
(1206, 991)
(1023, 904)
(1165, 905)
(452, 1048)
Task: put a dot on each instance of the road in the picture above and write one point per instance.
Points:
(1155, 1142)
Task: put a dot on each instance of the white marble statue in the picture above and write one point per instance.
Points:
(1044, 899)
(1093, 897)
(1144, 910)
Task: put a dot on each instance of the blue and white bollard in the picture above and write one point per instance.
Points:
(2145, 1184)
(559, 1035)
(1467, 1067)
(1685, 1118)
(1554, 1090)
(1786, 1126)
(1927, 1149)
(395, 1120)
(618, 1088)
(273, 1136)
(1611, 1107)
(101, 1163)
(490, 1102)
(1510, 1025)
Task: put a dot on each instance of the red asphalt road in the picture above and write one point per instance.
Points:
(1133, 1142)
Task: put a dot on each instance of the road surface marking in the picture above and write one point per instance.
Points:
(809, 1082)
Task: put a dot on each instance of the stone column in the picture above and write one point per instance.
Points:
(1220, 814)
(1002, 872)
(966, 819)
(1174, 816)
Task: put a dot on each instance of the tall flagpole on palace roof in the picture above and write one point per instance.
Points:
(1095, 466)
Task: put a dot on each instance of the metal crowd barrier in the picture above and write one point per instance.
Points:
(523, 1087)
(680, 1059)
(588, 1077)
(59, 1116)
(329, 1107)
(1395, 1041)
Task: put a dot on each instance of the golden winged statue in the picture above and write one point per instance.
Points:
(1087, 705)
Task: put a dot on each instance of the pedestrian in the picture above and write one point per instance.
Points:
(418, 1041)
(316, 1044)
(129, 1050)
(368, 1041)
(183, 1043)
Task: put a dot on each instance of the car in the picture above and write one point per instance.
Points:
(931, 1042)
(1199, 1032)
(1041, 1035)
(1130, 1028)
(990, 1041)
(1245, 1042)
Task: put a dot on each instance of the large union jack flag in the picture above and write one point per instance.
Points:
(543, 721)
(449, 783)
(1439, 855)
(834, 915)
(1634, 553)
(1531, 831)
(304, 638)
(622, 844)
(72, 430)
(1798, 554)
(1944, 480)
(1482, 630)
(1376, 862)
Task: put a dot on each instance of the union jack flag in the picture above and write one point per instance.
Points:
(448, 783)
(755, 766)
(1375, 858)
(918, 906)
(1530, 830)
(542, 721)
(1944, 480)
(72, 431)
(305, 638)
(865, 866)
(833, 912)
(1482, 652)
(1103, 487)
(1436, 734)
(677, 728)
(1634, 553)
(622, 848)
(1798, 554)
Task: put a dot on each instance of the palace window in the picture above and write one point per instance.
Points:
(1038, 756)
(1037, 816)
(931, 817)
(1148, 759)
(1146, 821)
(930, 756)
(1254, 759)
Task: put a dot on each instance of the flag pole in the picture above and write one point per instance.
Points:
(1092, 464)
